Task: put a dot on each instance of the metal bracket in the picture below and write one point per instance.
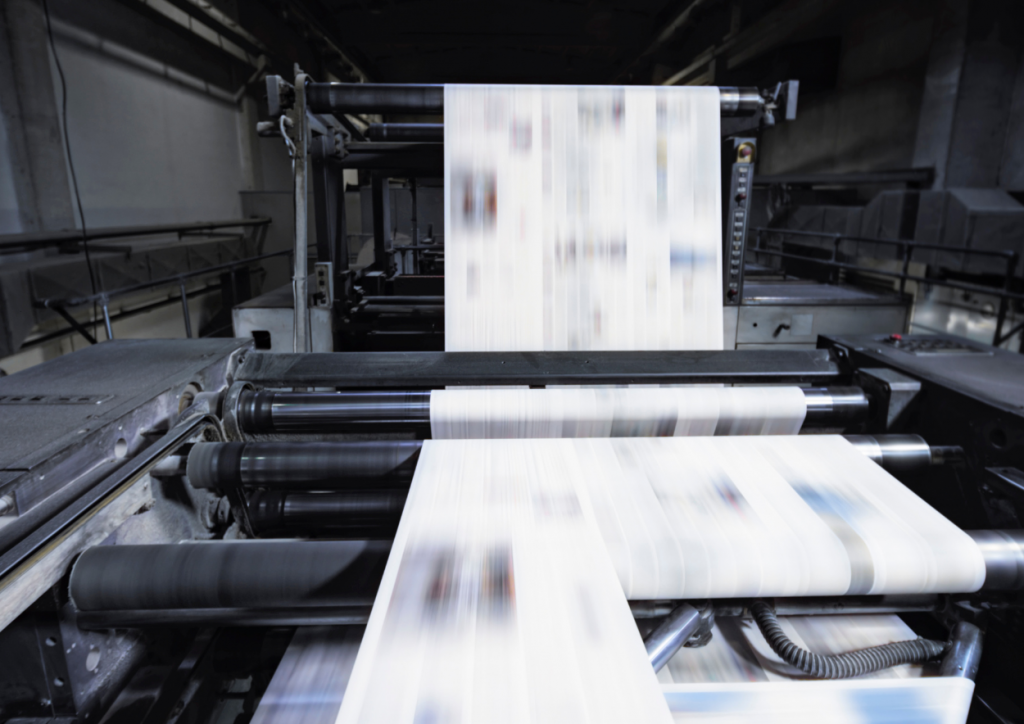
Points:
(892, 395)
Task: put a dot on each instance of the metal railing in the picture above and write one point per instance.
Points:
(906, 252)
(61, 306)
(18, 243)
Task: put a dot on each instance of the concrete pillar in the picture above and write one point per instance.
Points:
(941, 88)
(35, 145)
(969, 87)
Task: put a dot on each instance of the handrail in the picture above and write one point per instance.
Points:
(70, 236)
(907, 248)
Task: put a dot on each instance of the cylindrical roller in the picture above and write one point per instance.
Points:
(304, 465)
(424, 98)
(899, 453)
(398, 132)
(239, 574)
(268, 411)
(1003, 551)
(364, 511)
(375, 98)
(739, 101)
(406, 310)
(835, 406)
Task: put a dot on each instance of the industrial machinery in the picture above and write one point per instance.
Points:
(174, 510)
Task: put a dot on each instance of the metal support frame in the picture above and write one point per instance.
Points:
(381, 199)
(670, 636)
(907, 248)
(414, 370)
(301, 270)
(329, 209)
(103, 298)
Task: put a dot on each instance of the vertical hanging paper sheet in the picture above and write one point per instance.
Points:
(460, 414)
(498, 603)
(582, 218)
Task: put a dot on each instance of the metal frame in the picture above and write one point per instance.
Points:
(907, 248)
(18, 243)
(103, 298)
(418, 370)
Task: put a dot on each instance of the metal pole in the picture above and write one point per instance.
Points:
(907, 250)
(106, 321)
(301, 338)
(1004, 302)
(965, 653)
(185, 312)
(670, 636)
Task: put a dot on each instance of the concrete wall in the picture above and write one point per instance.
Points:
(147, 150)
(869, 120)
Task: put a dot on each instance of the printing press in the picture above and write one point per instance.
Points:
(149, 443)
(196, 530)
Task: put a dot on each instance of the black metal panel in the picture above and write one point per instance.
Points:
(438, 369)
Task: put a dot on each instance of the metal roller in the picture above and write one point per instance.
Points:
(216, 575)
(835, 406)
(365, 513)
(904, 453)
(1003, 551)
(268, 411)
(429, 98)
(427, 132)
(305, 466)
(391, 463)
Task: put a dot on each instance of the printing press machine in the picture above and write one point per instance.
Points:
(396, 303)
(113, 455)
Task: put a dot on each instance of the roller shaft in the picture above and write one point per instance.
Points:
(241, 574)
(429, 98)
(367, 513)
(406, 132)
(904, 453)
(391, 463)
(305, 465)
(835, 406)
(267, 411)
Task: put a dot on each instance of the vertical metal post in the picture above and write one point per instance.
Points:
(185, 312)
(833, 271)
(381, 197)
(906, 250)
(1004, 302)
(106, 320)
(415, 221)
(299, 278)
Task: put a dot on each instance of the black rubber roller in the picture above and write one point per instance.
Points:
(304, 465)
(367, 514)
(221, 574)
(268, 411)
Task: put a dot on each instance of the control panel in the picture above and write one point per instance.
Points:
(738, 173)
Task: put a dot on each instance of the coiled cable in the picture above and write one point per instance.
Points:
(841, 666)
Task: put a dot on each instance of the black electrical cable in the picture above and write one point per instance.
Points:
(841, 666)
(71, 163)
